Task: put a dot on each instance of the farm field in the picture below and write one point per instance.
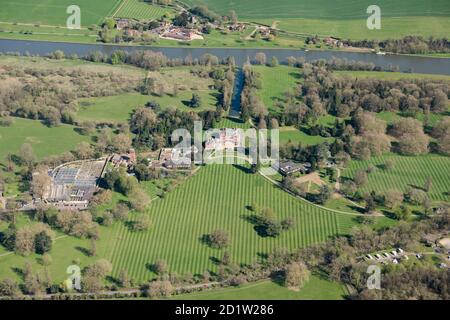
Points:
(140, 10)
(216, 197)
(44, 140)
(315, 289)
(342, 18)
(407, 172)
(53, 12)
(356, 29)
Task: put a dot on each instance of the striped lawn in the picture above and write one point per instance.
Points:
(140, 10)
(216, 198)
(407, 172)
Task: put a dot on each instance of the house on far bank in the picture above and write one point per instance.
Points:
(181, 34)
(290, 167)
(332, 41)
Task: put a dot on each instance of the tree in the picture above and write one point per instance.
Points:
(9, 288)
(46, 260)
(440, 102)
(196, 101)
(43, 243)
(233, 17)
(27, 155)
(370, 204)
(160, 267)
(389, 164)
(360, 178)
(274, 62)
(121, 143)
(159, 289)
(441, 132)
(260, 58)
(141, 224)
(402, 213)
(411, 138)
(120, 212)
(393, 198)
(40, 182)
(93, 248)
(296, 275)
(83, 150)
(218, 239)
(324, 194)
(124, 279)
(139, 200)
(428, 184)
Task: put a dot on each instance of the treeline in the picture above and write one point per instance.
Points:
(406, 45)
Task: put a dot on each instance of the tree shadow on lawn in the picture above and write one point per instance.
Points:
(84, 251)
(258, 226)
(243, 168)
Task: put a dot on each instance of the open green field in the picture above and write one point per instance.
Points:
(342, 18)
(44, 140)
(140, 10)
(216, 197)
(53, 12)
(407, 172)
(315, 289)
(275, 82)
(298, 136)
(390, 75)
(119, 108)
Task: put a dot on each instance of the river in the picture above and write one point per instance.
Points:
(406, 63)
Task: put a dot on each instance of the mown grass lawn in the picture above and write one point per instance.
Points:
(120, 108)
(407, 172)
(45, 141)
(216, 197)
(291, 134)
(315, 289)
